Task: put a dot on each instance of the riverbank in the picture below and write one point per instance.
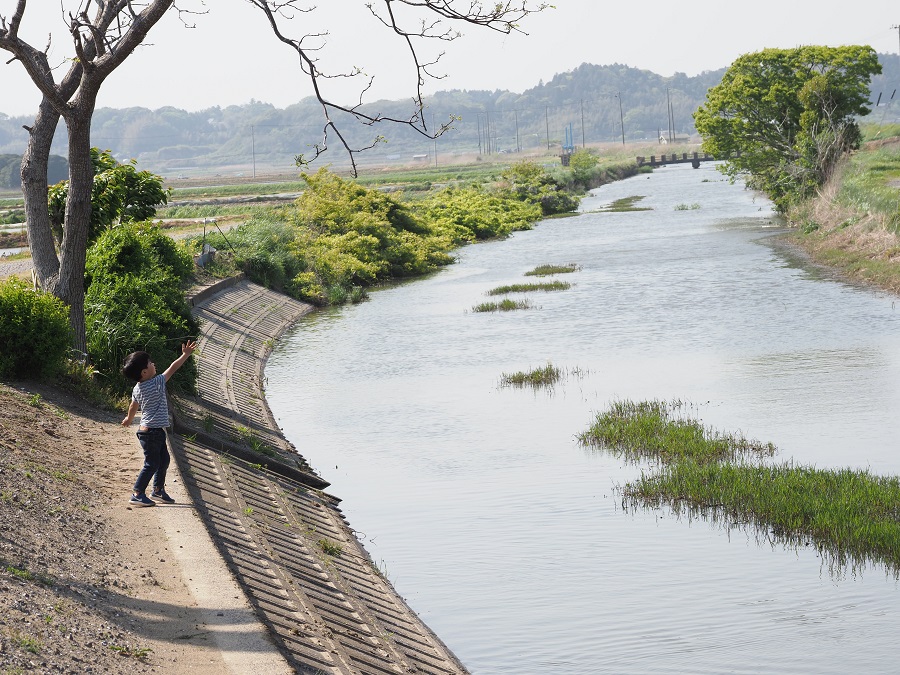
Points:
(254, 567)
(851, 226)
(325, 603)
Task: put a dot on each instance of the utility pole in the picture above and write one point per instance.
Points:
(435, 139)
(253, 149)
(582, 124)
(621, 116)
(518, 145)
(478, 120)
(669, 115)
(547, 120)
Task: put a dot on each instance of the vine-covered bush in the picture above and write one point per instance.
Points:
(34, 331)
(134, 301)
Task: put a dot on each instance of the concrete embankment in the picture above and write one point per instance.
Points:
(307, 577)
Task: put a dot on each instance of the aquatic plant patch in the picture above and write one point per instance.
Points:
(664, 431)
(687, 207)
(624, 205)
(525, 288)
(545, 376)
(505, 305)
(851, 517)
(548, 270)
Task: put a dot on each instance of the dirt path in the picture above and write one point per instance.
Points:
(89, 584)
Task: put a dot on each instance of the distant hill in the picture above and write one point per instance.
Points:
(259, 136)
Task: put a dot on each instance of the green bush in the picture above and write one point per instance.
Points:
(135, 301)
(34, 331)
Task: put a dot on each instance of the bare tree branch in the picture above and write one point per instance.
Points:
(501, 17)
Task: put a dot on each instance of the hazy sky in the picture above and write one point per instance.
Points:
(231, 56)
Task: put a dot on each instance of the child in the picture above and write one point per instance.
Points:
(149, 395)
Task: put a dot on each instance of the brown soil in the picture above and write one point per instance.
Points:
(856, 246)
(87, 583)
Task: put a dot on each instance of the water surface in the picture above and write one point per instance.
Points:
(508, 537)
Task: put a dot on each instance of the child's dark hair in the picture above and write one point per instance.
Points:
(134, 364)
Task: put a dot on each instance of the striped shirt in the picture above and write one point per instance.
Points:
(151, 397)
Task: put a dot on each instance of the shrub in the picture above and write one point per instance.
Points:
(34, 331)
(135, 302)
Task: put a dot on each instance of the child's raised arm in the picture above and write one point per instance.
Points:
(186, 350)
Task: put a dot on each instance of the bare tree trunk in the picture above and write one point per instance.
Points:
(78, 218)
(34, 188)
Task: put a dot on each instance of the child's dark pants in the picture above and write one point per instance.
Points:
(156, 460)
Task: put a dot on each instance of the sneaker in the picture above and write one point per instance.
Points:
(162, 496)
(140, 500)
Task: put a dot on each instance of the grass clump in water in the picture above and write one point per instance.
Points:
(653, 430)
(547, 270)
(624, 205)
(850, 517)
(524, 288)
(687, 207)
(505, 305)
(545, 376)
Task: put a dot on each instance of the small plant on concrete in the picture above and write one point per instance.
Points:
(330, 548)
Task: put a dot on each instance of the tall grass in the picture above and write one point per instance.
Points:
(525, 288)
(505, 305)
(664, 431)
(850, 517)
(545, 376)
(869, 184)
(547, 270)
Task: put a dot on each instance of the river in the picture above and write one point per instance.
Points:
(510, 539)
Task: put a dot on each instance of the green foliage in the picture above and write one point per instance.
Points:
(529, 182)
(134, 302)
(34, 331)
(339, 237)
(472, 213)
(790, 113)
(525, 288)
(505, 305)
(548, 270)
(545, 376)
(120, 194)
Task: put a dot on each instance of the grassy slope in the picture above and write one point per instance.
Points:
(853, 226)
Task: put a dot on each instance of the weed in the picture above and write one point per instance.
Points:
(546, 376)
(35, 401)
(547, 270)
(330, 548)
(139, 653)
(851, 517)
(624, 205)
(656, 430)
(248, 511)
(505, 305)
(524, 288)
(26, 642)
(687, 207)
(207, 423)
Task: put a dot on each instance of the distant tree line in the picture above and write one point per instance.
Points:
(57, 170)
(585, 100)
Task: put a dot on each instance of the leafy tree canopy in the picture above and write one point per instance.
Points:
(790, 113)
(120, 193)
